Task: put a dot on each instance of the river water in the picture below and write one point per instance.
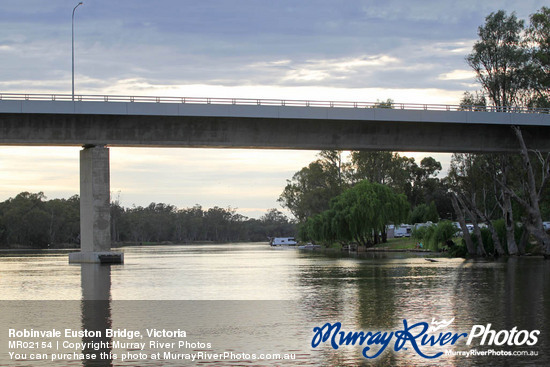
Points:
(259, 304)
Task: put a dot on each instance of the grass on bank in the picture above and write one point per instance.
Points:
(403, 243)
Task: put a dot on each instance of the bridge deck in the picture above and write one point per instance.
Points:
(267, 125)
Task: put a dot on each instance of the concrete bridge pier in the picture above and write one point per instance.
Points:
(95, 210)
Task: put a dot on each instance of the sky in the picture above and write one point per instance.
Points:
(351, 50)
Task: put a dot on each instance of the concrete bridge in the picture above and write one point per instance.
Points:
(99, 122)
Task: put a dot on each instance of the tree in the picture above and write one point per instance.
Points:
(29, 220)
(499, 59)
(276, 224)
(503, 175)
(64, 216)
(462, 222)
(513, 68)
(418, 182)
(470, 188)
(375, 166)
(425, 184)
(473, 102)
(117, 213)
(311, 189)
(388, 103)
(512, 62)
(336, 170)
(358, 214)
(25, 220)
(424, 213)
(531, 203)
(538, 35)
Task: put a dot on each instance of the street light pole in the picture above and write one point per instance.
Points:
(80, 3)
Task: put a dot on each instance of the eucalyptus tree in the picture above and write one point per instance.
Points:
(376, 166)
(538, 37)
(310, 190)
(499, 59)
(385, 168)
(513, 67)
(466, 181)
(534, 191)
(418, 182)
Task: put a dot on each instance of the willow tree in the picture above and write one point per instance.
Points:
(368, 208)
(318, 228)
(358, 215)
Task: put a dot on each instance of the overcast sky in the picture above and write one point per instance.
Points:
(409, 51)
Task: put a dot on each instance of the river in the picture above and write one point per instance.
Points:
(259, 304)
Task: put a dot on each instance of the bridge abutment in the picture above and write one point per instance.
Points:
(95, 210)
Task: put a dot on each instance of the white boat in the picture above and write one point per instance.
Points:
(283, 241)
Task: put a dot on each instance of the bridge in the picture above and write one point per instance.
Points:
(99, 122)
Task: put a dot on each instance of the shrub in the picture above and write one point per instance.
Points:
(487, 239)
(418, 233)
(459, 250)
(444, 232)
(424, 213)
(436, 236)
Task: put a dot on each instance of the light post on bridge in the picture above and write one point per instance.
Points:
(80, 3)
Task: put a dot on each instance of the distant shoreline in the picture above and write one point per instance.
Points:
(73, 247)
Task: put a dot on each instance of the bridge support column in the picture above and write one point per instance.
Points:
(95, 210)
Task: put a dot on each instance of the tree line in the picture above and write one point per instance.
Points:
(311, 190)
(352, 197)
(29, 220)
(508, 194)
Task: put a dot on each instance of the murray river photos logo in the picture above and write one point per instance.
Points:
(420, 337)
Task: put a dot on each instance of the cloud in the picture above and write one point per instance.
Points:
(341, 68)
(6, 48)
(285, 43)
(458, 75)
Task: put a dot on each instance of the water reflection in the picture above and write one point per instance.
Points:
(96, 313)
(377, 293)
(371, 293)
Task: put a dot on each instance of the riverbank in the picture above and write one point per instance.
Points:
(403, 244)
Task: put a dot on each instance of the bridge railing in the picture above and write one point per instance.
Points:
(265, 102)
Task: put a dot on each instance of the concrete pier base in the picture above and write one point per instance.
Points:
(95, 210)
(105, 257)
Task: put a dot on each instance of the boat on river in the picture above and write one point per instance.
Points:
(283, 241)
